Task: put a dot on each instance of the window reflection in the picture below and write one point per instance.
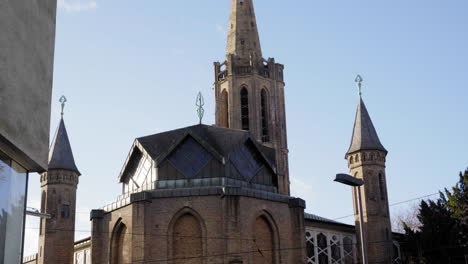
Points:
(13, 180)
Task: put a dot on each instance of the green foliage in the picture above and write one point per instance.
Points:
(458, 206)
(442, 237)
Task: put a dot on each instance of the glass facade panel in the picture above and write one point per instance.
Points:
(13, 183)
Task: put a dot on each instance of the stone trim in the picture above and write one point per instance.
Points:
(59, 177)
(189, 192)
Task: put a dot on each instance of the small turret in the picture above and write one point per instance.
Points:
(58, 184)
(366, 158)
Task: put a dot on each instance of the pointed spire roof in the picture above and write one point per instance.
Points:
(243, 39)
(60, 154)
(364, 134)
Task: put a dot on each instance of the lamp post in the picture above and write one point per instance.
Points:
(356, 183)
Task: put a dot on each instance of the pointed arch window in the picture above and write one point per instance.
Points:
(245, 108)
(187, 240)
(265, 115)
(264, 246)
(120, 245)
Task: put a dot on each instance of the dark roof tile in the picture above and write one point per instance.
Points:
(60, 154)
(364, 134)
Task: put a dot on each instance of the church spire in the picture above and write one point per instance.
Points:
(364, 134)
(243, 39)
(60, 154)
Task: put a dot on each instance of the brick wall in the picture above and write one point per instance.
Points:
(227, 227)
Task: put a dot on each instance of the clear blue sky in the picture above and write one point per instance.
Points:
(133, 68)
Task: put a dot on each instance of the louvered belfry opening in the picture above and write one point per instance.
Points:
(264, 112)
(245, 108)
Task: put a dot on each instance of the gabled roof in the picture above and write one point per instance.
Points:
(364, 134)
(60, 154)
(219, 142)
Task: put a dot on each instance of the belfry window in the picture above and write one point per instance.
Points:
(264, 110)
(245, 108)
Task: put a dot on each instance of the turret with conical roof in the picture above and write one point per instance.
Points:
(59, 185)
(366, 161)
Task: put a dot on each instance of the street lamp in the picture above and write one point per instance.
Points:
(356, 183)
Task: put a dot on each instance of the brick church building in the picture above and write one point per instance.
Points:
(219, 194)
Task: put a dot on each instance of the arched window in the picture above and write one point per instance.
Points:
(224, 109)
(335, 247)
(245, 108)
(322, 242)
(264, 242)
(187, 240)
(120, 245)
(265, 113)
(348, 250)
(382, 187)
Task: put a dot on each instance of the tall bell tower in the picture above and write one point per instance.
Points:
(366, 160)
(249, 89)
(58, 185)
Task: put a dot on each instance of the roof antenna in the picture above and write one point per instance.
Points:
(200, 103)
(62, 100)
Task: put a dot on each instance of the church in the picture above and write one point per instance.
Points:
(211, 194)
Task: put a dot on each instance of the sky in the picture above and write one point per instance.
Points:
(134, 68)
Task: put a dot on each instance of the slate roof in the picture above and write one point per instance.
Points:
(60, 153)
(364, 134)
(222, 140)
(313, 217)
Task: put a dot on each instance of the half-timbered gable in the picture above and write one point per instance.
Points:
(199, 155)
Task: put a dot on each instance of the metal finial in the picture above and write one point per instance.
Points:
(359, 81)
(200, 103)
(62, 100)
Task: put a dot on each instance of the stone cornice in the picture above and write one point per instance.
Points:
(59, 177)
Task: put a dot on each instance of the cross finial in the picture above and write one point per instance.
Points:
(359, 81)
(62, 100)
(200, 103)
